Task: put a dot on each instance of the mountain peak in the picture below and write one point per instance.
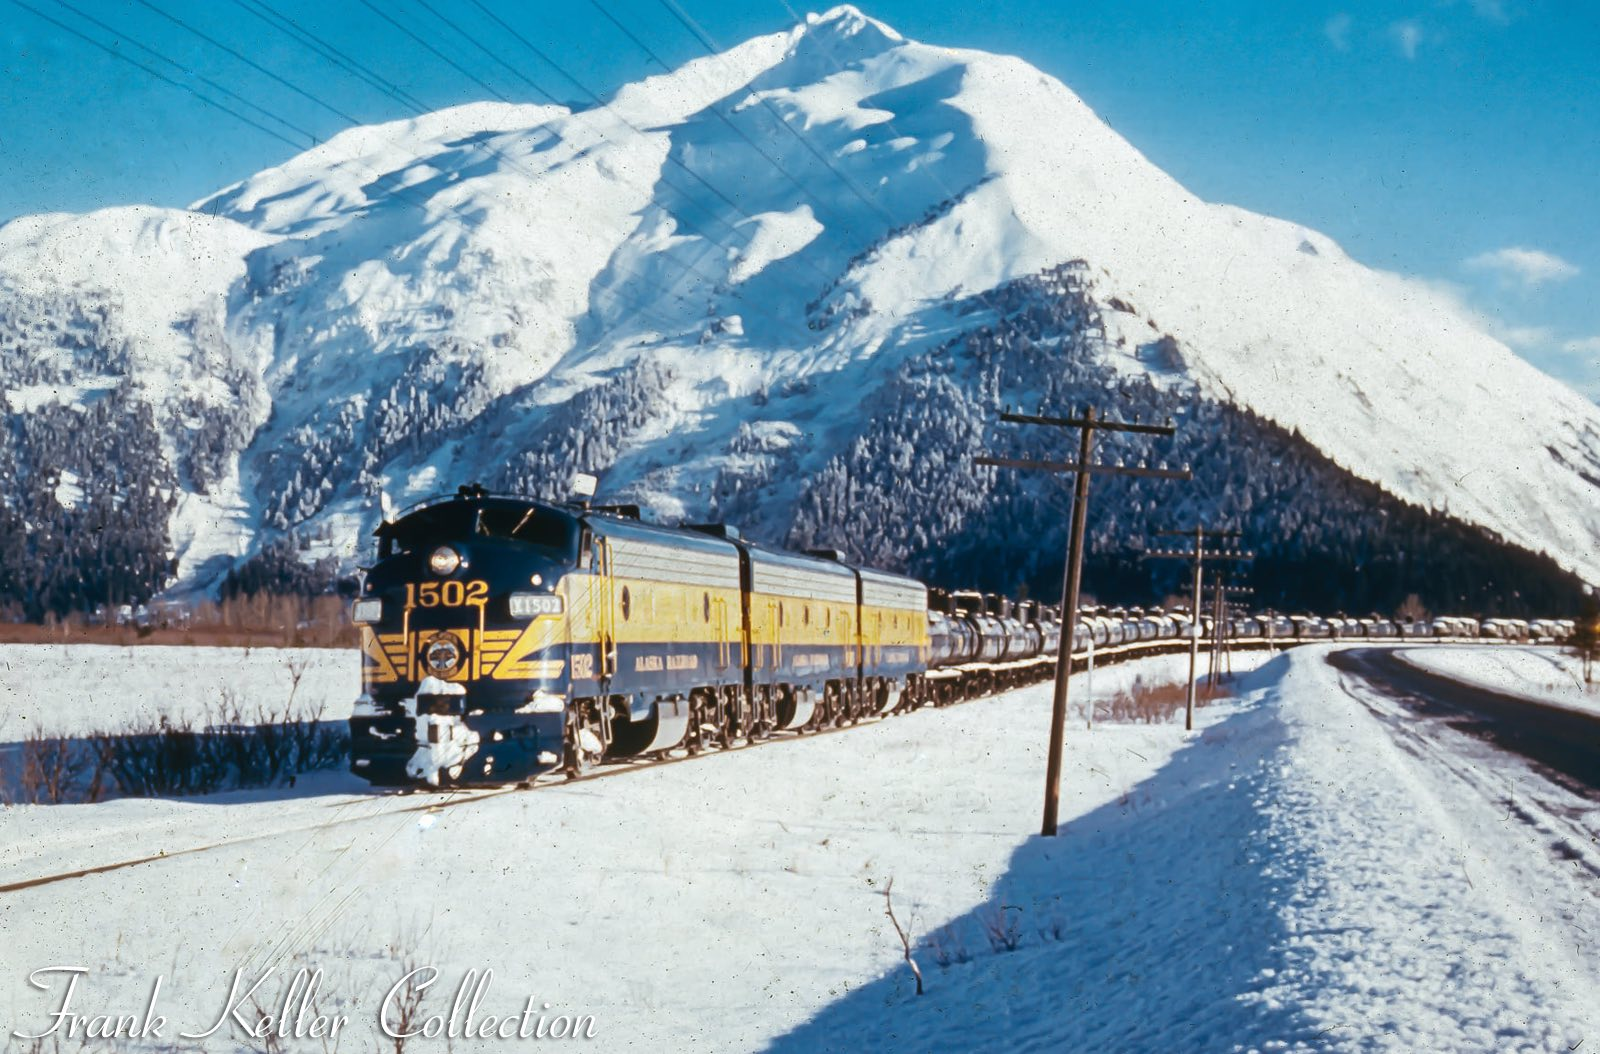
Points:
(847, 20)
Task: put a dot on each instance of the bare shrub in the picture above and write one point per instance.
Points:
(949, 946)
(408, 996)
(1002, 925)
(52, 767)
(169, 758)
(231, 747)
(1145, 703)
(902, 932)
(262, 1027)
(1054, 929)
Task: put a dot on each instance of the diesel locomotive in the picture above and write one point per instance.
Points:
(503, 638)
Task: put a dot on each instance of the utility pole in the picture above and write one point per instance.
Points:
(1083, 468)
(1229, 609)
(1217, 636)
(1221, 643)
(1197, 556)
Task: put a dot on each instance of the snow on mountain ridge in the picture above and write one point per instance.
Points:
(473, 271)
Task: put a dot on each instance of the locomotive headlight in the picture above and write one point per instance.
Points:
(366, 612)
(532, 605)
(442, 656)
(444, 560)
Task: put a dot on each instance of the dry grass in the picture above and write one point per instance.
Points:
(1145, 703)
(246, 622)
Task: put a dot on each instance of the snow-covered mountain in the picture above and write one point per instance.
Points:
(789, 283)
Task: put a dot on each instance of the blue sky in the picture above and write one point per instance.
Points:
(1457, 141)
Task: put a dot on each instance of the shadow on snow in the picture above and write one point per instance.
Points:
(1148, 924)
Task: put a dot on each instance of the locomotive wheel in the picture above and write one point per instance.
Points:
(709, 721)
(584, 745)
(727, 719)
(743, 711)
(694, 740)
(761, 726)
(717, 731)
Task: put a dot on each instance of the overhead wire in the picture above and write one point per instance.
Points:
(691, 267)
(175, 20)
(310, 41)
(262, 11)
(452, 63)
(714, 49)
(284, 24)
(932, 172)
(400, 193)
(725, 119)
(543, 56)
(306, 39)
(687, 268)
(121, 56)
(311, 137)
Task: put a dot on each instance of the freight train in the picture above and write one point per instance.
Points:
(504, 638)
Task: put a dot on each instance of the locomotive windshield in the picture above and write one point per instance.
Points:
(505, 519)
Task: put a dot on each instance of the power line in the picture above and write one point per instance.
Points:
(249, 62)
(400, 193)
(288, 26)
(724, 118)
(230, 93)
(470, 39)
(583, 88)
(599, 101)
(575, 82)
(932, 171)
(712, 48)
(306, 39)
(682, 222)
(657, 59)
(114, 53)
(442, 56)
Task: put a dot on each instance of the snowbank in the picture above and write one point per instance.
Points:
(1542, 675)
(1291, 880)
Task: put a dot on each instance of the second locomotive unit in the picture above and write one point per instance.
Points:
(503, 638)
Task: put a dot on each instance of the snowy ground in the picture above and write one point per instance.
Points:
(73, 689)
(1542, 674)
(1299, 875)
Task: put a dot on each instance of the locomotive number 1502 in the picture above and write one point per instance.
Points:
(446, 594)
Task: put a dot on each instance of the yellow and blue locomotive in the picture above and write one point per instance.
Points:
(503, 638)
